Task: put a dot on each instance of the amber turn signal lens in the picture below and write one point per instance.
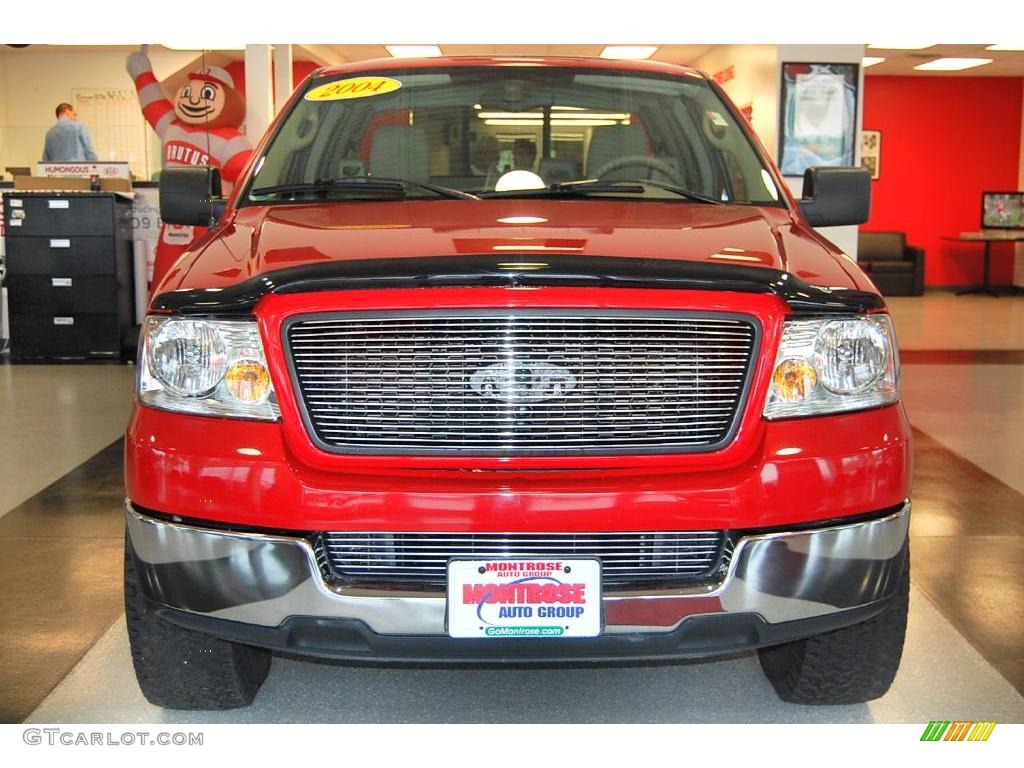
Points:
(248, 381)
(794, 380)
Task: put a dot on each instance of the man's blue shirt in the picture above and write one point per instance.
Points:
(68, 142)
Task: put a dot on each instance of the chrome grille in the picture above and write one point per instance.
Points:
(321, 556)
(627, 559)
(521, 382)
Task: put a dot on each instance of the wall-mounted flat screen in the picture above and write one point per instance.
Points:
(1002, 210)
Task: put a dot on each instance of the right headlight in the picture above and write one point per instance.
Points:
(205, 366)
(830, 365)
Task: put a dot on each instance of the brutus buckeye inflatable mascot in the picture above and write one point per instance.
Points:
(199, 127)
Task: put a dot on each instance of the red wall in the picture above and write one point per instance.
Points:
(944, 141)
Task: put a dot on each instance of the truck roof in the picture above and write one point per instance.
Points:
(441, 62)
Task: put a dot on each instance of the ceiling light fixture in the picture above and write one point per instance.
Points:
(510, 115)
(628, 51)
(870, 61)
(567, 119)
(525, 123)
(564, 117)
(901, 46)
(951, 64)
(413, 51)
(180, 46)
(587, 123)
(556, 123)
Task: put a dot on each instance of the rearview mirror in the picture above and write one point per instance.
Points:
(191, 196)
(836, 196)
(516, 96)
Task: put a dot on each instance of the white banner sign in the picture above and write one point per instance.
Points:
(83, 170)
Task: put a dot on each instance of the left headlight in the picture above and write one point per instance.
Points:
(206, 367)
(833, 365)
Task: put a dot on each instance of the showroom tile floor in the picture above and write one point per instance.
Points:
(61, 555)
(53, 418)
(941, 673)
(65, 650)
(943, 320)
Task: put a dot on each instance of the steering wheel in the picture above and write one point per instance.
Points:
(641, 160)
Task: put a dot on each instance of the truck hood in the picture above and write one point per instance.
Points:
(262, 239)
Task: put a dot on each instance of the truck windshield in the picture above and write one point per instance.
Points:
(504, 131)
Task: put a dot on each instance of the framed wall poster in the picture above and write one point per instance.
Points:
(818, 116)
(871, 152)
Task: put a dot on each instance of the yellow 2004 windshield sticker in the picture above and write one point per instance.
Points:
(354, 88)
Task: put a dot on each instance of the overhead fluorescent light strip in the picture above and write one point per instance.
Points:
(413, 51)
(870, 61)
(186, 46)
(500, 121)
(902, 46)
(540, 116)
(951, 64)
(557, 123)
(628, 51)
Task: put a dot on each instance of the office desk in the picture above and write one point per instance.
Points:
(988, 237)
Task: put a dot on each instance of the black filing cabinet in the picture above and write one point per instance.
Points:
(69, 275)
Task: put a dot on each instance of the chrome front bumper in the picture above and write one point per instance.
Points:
(265, 580)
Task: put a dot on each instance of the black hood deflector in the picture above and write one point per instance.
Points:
(514, 271)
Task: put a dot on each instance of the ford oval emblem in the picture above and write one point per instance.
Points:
(520, 381)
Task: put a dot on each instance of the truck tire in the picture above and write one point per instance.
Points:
(846, 666)
(179, 668)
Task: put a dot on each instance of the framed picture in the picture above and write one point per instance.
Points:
(871, 152)
(818, 116)
(1002, 210)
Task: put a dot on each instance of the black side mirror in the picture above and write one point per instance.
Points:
(191, 196)
(836, 196)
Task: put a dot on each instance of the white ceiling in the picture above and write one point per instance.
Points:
(901, 62)
(898, 62)
(673, 54)
(339, 54)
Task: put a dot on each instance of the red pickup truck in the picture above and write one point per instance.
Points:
(515, 360)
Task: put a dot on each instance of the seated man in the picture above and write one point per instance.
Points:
(68, 141)
(524, 153)
(483, 160)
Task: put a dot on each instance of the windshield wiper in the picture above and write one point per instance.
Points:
(371, 184)
(440, 190)
(598, 186)
(603, 185)
(585, 187)
(683, 192)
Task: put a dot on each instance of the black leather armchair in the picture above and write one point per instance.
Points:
(895, 267)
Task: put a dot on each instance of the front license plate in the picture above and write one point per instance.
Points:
(524, 598)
